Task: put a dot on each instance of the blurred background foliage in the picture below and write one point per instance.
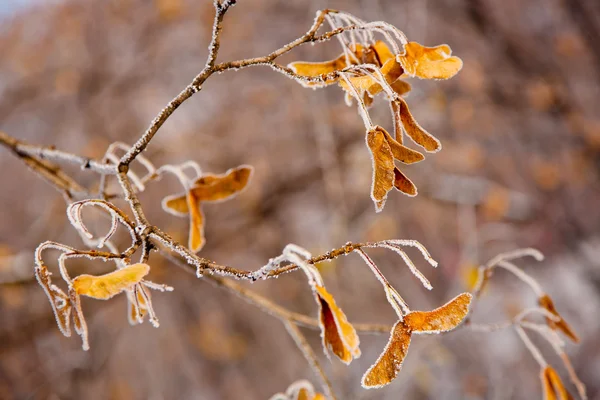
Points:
(519, 167)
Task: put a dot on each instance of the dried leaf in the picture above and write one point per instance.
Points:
(176, 205)
(299, 390)
(553, 386)
(403, 184)
(104, 287)
(138, 306)
(196, 237)
(222, 187)
(382, 51)
(314, 69)
(412, 128)
(78, 319)
(208, 187)
(401, 152)
(60, 302)
(401, 87)
(383, 167)
(338, 334)
(429, 62)
(546, 302)
(389, 363)
(442, 319)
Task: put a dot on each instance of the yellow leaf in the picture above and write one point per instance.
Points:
(338, 334)
(104, 287)
(196, 239)
(429, 62)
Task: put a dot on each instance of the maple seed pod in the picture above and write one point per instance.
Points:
(442, 319)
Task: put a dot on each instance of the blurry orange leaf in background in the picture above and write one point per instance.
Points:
(561, 325)
(553, 386)
(103, 287)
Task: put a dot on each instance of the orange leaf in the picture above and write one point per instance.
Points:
(429, 62)
(442, 319)
(382, 51)
(401, 87)
(176, 205)
(196, 239)
(546, 302)
(222, 187)
(138, 305)
(104, 287)
(338, 334)
(389, 363)
(412, 128)
(553, 386)
(383, 167)
(401, 152)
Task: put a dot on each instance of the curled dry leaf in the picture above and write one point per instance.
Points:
(384, 149)
(104, 287)
(64, 306)
(553, 386)
(207, 188)
(403, 118)
(337, 333)
(561, 325)
(442, 319)
(429, 62)
(59, 301)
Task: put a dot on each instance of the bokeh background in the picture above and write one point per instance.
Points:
(520, 167)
